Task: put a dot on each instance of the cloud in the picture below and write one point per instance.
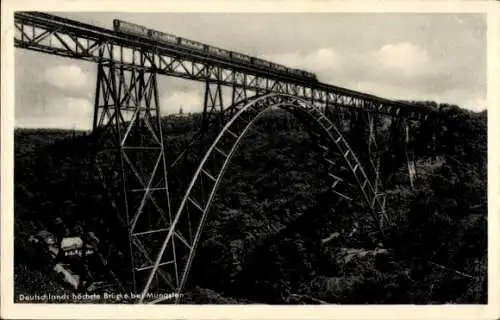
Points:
(323, 58)
(466, 99)
(407, 56)
(400, 62)
(475, 104)
(402, 57)
(388, 90)
(190, 101)
(67, 77)
(400, 65)
(474, 101)
(399, 70)
(60, 112)
(322, 61)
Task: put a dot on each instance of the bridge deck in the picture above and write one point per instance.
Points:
(64, 37)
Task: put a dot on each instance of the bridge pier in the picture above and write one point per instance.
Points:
(373, 148)
(237, 94)
(131, 161)
(343, 170)
(401, 137)
(213, 104)
(130, 153)
(410, 153)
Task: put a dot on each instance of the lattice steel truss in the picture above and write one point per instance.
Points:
(213, 105)
(153, 240)
(374, 151)
(410, 153)
(127, 122)
(58, 36)
(401, 134)
(194, 207)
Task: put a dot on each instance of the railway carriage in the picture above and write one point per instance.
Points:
(192, 44)
(281, 68)
(132, 29)
(261, 62)
(241, 57)
(219, 51)
(163, 37)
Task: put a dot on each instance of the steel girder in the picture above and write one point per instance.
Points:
(401, 134)
(373, 149)
(409, 152)
(127, 112)
(67, 38)
(213, 104)
(237, 94)
(211, 122)
(127, 124)
(362, 126)
(193, 209)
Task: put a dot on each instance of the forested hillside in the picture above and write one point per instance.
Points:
(275, 235)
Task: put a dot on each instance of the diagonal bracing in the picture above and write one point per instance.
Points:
(193, 209)
(132, 156)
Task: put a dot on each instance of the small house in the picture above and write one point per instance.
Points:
(72, 246)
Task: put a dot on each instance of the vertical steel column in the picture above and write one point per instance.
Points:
(329, 112)
(213, 105)
(238, 94)
(111, 230)
(373, 149)
(128, 120)
(353, 119)
(400, 139)
(435, 143)
(334, 112)
(374, 154)
(410, 158)
(87, 220)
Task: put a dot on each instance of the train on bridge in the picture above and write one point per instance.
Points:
(129, 28)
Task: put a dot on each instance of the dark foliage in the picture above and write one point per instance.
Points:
(264, 239)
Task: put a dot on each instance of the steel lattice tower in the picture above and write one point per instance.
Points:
(129, 129)
(152, 240)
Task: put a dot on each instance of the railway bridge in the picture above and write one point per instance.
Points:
(161, 226)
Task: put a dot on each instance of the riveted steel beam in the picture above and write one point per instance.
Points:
(58, 36)
(128, 129)
(195, 205)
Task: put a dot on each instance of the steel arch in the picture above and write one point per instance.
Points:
(252, 111)
(229, 111)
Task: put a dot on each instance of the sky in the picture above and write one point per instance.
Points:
(412, 56)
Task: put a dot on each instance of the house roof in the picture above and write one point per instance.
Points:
(71, 243)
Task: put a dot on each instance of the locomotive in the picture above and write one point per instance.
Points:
(129, 28)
